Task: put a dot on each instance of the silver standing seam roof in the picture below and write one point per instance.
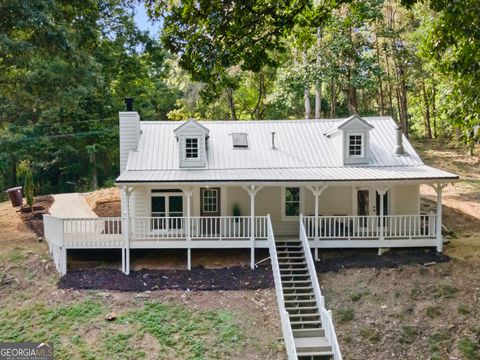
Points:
(303, 153)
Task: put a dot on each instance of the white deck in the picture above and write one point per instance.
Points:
(233, 232)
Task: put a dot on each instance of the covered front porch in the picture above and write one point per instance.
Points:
(201, 216)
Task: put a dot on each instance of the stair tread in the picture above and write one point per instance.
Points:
(315, 353)
(301, 308)
(311, 332)
(308, 315)
(306, 322)
(302, 342)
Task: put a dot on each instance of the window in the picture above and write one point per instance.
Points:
(240, 140)
(167, 210)
(292, 202)
(355, 145)
(191, 148)
(209, 200)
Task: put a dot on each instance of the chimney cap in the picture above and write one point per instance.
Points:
(129, 103)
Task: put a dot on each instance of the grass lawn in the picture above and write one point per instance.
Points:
(148, 325)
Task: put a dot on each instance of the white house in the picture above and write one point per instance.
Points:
(285, 185)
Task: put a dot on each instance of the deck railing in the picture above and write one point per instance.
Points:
(93, 232)
(325, 315)
(107, 232)
(284, 316)
(201, 228)
(370, 227)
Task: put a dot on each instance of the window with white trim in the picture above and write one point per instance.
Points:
(292, 202)
(210, 200)
(191, 148)
(355, 145)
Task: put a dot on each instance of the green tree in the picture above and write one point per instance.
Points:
(28, 188)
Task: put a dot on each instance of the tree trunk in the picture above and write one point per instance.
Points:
(263, 93)
(306, 92)
(382, 104)
(318, 84)
(390, 88)
(352, 98)
(14, 171)
(231, 104)
(434, 109)
(404, 101)
(333, 100)
(428, 128)
(318, 100)
(93, 161)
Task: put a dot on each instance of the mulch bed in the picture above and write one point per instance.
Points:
(34, 219)
(348, 259)
(198, 279)
(238, 277)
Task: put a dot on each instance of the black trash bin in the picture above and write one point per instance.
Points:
(15, 195)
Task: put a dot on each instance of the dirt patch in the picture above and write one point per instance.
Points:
(34, 219)
(105, 202)
(235, 278)
(410, 312)
(334, 261)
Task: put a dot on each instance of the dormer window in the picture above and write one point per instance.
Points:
(355, 146)
(191, 148)
(192, 140)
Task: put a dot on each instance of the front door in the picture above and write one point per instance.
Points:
(368, 205)
(210, 209)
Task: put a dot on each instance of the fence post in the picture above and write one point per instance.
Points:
(63, 250)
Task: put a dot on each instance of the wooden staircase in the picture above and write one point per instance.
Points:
(307, 326)
(301, 303)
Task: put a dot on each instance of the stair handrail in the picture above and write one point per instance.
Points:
(284, 316)
(326, 316)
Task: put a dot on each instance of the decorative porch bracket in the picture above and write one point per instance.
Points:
(438, 231)
(252, 190)
(127, 191)
(317, 191)
(188, 194)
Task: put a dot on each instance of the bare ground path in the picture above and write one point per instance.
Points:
(72, 205)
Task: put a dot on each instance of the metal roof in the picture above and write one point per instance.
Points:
(303, 153)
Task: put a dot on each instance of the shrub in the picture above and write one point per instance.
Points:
(345, 315)
(28, 188)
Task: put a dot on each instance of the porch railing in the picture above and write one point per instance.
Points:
(201, 228)
(325, 315)
(371, 227)
(284, 317)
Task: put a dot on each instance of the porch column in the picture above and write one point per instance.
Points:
(188, 194)
(438, 188)
(126, 231)
(382, 190)
(252, 191)
(317, 191)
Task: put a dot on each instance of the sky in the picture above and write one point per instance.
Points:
(142, 21)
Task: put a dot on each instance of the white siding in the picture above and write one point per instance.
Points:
(335, 200)
(406, 199)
